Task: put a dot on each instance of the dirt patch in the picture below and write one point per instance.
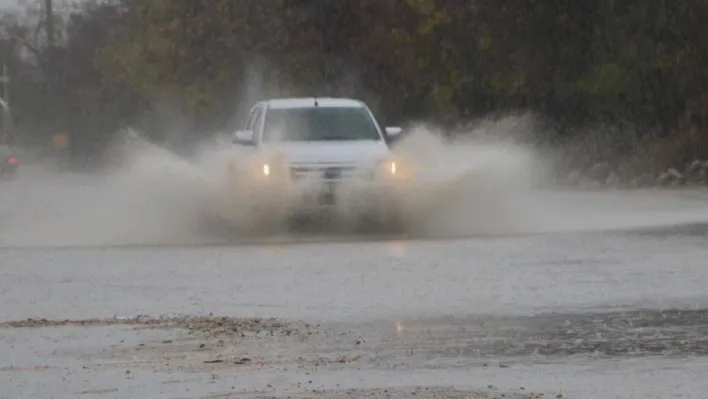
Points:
(208, 326)
(7, 369)
(424, 393)
(39, 323)
(194, 344)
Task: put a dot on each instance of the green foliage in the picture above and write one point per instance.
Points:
(632, 61)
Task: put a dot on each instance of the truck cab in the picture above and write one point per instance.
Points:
(325, 136)
(317, 152)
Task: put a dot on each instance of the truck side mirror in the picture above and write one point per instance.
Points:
(393, 131)
(243, 137)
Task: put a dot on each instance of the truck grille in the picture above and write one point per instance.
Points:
(324, 172)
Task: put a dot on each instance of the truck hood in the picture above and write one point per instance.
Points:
(336, 152)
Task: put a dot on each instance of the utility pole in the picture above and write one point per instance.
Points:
(5, 83)
(6, 132)
(55, 116)
(49, 10)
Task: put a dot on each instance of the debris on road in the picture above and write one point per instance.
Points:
(204, 325)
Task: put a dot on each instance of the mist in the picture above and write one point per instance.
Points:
(474, 185)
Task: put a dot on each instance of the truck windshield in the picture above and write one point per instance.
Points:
(319, 124)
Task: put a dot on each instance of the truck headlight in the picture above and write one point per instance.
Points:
(390, 169)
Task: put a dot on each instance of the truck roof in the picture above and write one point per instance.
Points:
(311, 102)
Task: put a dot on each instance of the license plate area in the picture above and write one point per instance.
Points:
(332, 173)
(328, 195)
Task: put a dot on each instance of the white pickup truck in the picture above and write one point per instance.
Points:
(304, 155)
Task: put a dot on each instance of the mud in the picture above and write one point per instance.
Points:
(225, 348)
(209, 326)
(431, 393)
(272, 358)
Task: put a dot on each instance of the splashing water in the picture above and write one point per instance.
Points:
(464, 187)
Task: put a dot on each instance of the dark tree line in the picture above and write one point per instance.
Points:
(576, 62)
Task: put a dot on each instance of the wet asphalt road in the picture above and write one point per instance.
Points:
(596, 314)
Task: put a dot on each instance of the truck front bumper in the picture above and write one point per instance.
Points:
(343, 197)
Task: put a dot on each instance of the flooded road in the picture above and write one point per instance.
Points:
(584, 312)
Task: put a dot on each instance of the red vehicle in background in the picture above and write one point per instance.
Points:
(8, 163)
